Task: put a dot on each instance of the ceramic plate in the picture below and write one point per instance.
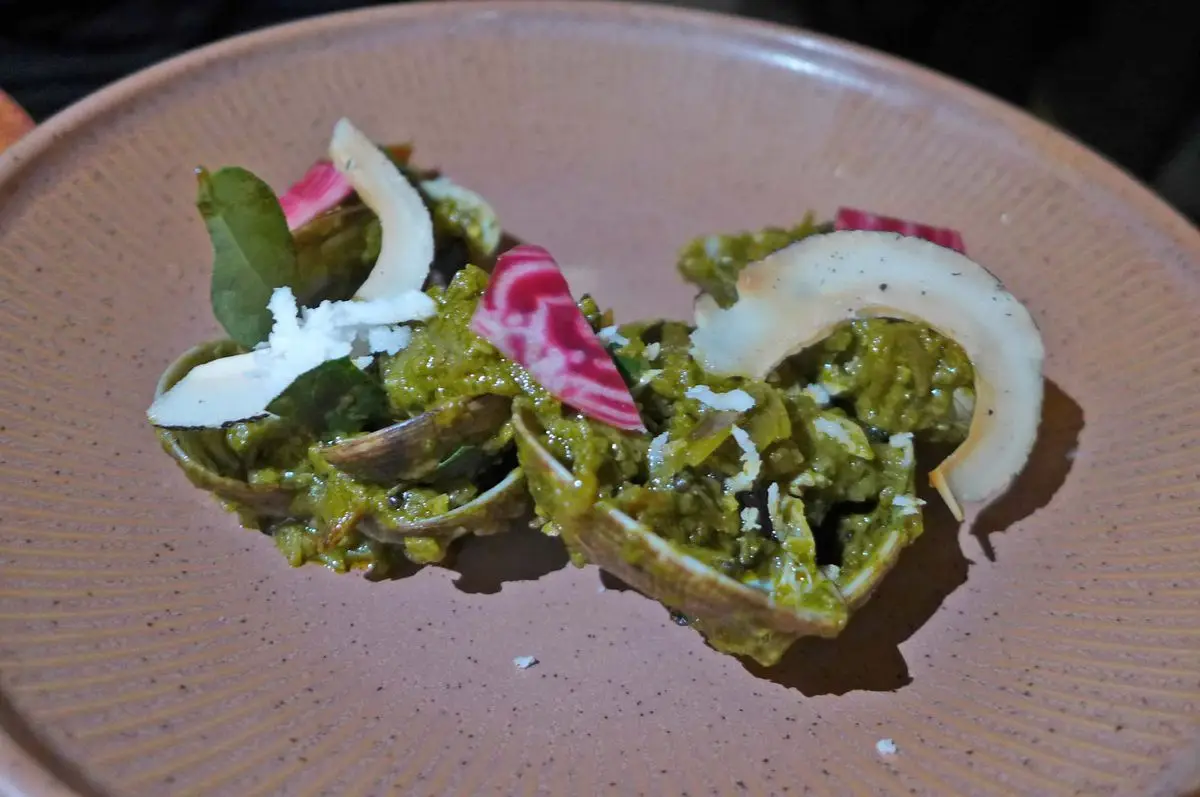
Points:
(148, 646)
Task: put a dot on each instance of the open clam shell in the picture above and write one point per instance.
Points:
(412, 449)
(629, 550)
(492, 512)
(202, 453)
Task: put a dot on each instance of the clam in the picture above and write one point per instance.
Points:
(787, 302)
(795, 297)
(412, 449)
(203, 455)
(491, 512)
(736, 617)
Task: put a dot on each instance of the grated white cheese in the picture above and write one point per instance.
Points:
(653, 350)
(773, 509)
(524, 662)
(648, 376)
(885, 747)
(240, 387)
(733, 400)
(611, 336)
(389, 339)
(819, 394)
(751, 463)
(834, 431)
(806, 479)
(656, 453)
(750, 519)
(909, 505)
(904, 442)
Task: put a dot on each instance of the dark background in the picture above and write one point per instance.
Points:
(1122, 75)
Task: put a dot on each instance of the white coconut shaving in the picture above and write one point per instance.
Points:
(656, 452)
(750, 519)
(834, 431)
(239, 388)
(389, 339)
(524, 662)
(904, 442)
(653, 350)
(845, 432)
(751, 463)
(731, 401)
(612, 337)
(803, 481)
(773, 509)
(467, 200)
(648, 376)
(818, 393)
(908, 504)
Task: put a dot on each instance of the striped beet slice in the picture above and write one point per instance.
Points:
(528, 314)
(323, 188)
(853, 219)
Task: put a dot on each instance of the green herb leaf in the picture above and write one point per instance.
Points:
(631, 368)
(335, 398)
(253, 252)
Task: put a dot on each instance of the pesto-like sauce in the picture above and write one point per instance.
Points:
(713, 262)
(829, 474)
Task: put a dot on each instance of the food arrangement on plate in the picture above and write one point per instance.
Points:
(397, 375)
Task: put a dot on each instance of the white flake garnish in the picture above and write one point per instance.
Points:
(653, 350)
(656, 453)
(733, 400)
(240, 387)
(818, 393)
(611, 336)
(908, 505)
(524, 662)
(885, 747)
(834, 431)
(831, 572)
(773, 509)
(751, 463)
(904, 442)
(750, 519)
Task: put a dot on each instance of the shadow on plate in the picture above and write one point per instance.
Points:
(485, 564)
(1049, 464)
(866, 656)
(28, 740)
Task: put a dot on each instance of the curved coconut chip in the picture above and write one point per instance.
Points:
(797, 296)
(407, 228)
(528, 314)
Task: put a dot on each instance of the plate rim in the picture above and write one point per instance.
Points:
(28, 769)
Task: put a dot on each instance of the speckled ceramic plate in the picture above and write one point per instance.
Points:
(148, 646)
